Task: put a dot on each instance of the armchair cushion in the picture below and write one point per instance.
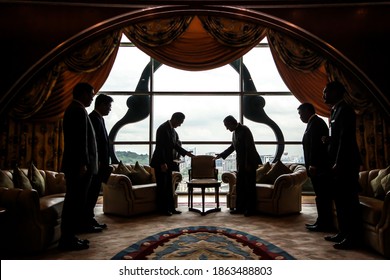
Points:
(36, 179)
(264, 191)
(261, 171)
(122, 169)
(5, 180)
(376, 184)
(385, 182)
(277, 169)
(139, 175)
(20, 179)
(145, 191)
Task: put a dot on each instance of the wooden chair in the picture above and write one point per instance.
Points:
(203, 167)
(203, 175)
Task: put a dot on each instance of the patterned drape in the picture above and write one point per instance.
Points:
(32, 132)
(23, 142)
(374, 139)
(305, 73)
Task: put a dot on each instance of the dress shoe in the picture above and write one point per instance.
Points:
(320, 228)
(176, 212)
(334, 238)
(233, 212)
(346, 244)
(83, 241)
(102, 226)
(72, 245)
(166, 213)
(311, 225)
(97, 224)
(90, 229)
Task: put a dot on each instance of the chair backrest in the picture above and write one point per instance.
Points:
(203, 167)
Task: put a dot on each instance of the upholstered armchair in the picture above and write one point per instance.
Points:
(375, 209)
(283, 196)
(126, 195)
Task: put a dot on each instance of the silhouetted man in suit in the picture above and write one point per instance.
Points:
(102, 108)
(317, 166)
(167, 147)
(79, 164)
(345, 161)
(248, 161)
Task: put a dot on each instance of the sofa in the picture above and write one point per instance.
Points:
(31, 209)
(131, 190)
(375, 209)
(278, 192)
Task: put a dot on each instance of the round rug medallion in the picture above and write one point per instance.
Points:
(202, 243)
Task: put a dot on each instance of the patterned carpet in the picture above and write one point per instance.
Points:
(287, 232)
(202, 243)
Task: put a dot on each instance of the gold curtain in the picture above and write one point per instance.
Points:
(195, 48)
(32, 132)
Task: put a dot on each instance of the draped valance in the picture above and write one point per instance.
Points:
(47, 97)
(195, 43)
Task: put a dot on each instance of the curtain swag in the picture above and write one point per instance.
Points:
(293, 53)
(358, 99)
(192, 45)
(38, 101)
(233, 33)
(92, 56)
(158, 32)
(34, 99)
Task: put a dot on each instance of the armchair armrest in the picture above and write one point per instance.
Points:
(122, 182)
(290, 181)
(298, 177)
(23, 224)
(22, 204)
(385, 218)
(176, 179)
(230, 178)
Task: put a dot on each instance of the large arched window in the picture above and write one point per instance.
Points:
(206, 98)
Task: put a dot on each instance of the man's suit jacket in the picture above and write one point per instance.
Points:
(167, 144)
(314, 150)
(243, 143)
(102, 139)
(343, 148)
(79, 140)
